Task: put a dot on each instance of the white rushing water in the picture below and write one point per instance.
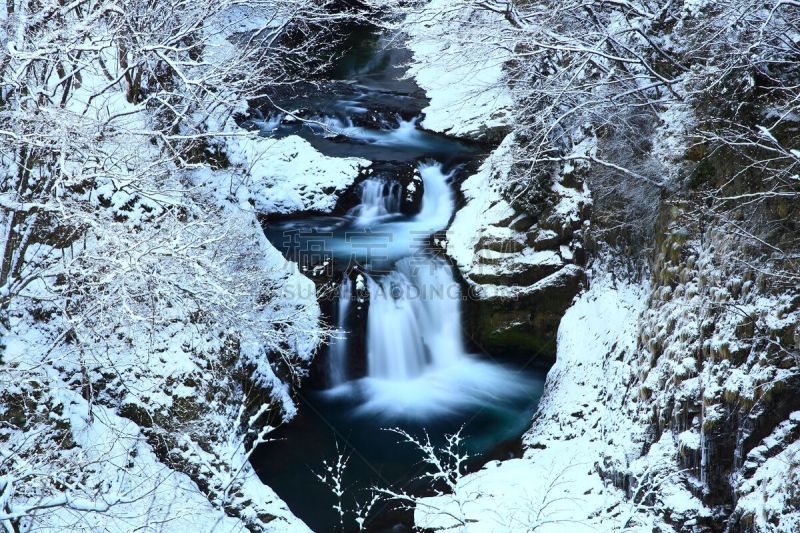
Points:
(437, 207)
(337, 355)
(407, 234)
(414, 320)
(400, 134)
(417, 364)
(379, 198)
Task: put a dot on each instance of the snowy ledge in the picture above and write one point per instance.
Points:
(464, 80)
(555, 485)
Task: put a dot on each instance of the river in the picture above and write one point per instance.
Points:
(400, 357)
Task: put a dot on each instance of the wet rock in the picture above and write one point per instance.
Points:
(543, 239)
(527, 324)
(501, 244)
(411, 195)
(505, 269)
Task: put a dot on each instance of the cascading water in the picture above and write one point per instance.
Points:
(269, 124)
(417, 365)
(411, 368)
(379, 198)
(414, 320)
(337, 353)
(403, 133)
(394, 134)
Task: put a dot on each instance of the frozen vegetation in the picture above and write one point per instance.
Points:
(635, 219)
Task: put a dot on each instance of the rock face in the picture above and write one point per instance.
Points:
(718, 380)
(674, 403)
(675, 400)
(523, 269)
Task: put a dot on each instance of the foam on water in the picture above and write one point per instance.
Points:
(404, 134)
(269, 124)
(417, 365)
(443, 390)
(438, 391)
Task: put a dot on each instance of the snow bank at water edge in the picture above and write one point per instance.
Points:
(281, 176)
(555, 484)
(484, 205)
(288, 175)
(464, 80)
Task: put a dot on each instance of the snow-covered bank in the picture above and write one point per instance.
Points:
(283, 176)
(523, 266)
(464, 81)
(694, 419)
(503, 251)
(148, 320)
(137, 487)
(555, 485)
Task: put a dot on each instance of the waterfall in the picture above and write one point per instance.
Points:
(379, 198)
(417, 362)
(396, 131)
(337, 355)
(414, 320)
(437, 207)
(437, 198)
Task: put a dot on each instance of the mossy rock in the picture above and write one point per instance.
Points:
(524, 339)
(137, 414)
(783, 207)
(696, 152)
(527, 325)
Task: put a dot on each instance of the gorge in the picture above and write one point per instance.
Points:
(396, 303)
(392, 265)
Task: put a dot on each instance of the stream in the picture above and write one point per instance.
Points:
(400, 357)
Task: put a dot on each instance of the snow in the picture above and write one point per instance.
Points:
(486, 223)
(484, 205)
(769, 491)
(513, 292)
(463, 79)
(286, 175)
(130, 486)
(161, 445)
(555, 485)
(143, 487)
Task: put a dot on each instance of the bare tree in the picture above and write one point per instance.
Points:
(114, 262)
(455, 490)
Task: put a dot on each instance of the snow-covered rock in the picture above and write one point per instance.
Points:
(556, 485)
(524, 270)
(286, 175)
(463, 78)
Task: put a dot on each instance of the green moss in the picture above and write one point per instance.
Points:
(518, 340)
(137, 414)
